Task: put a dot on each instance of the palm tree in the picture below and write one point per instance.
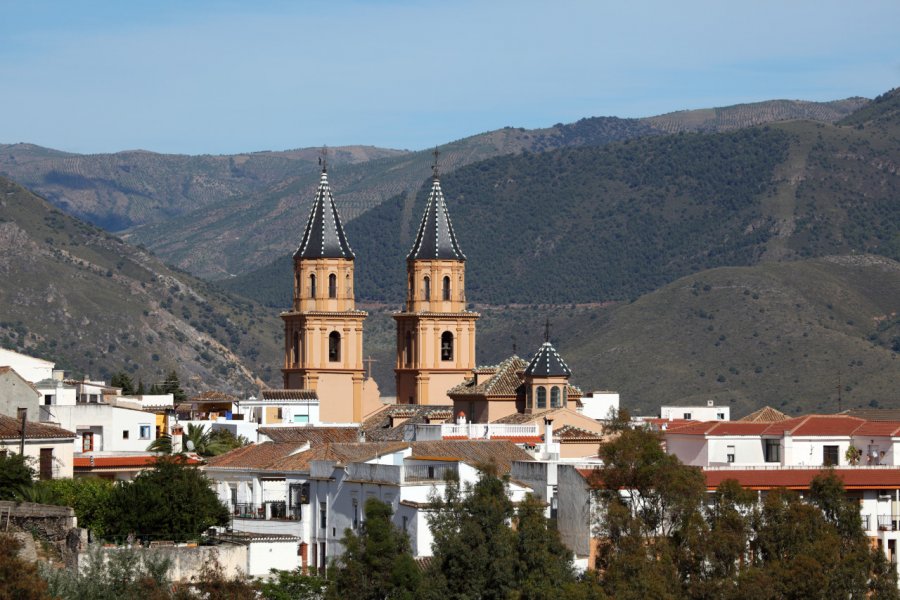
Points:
(197, 439)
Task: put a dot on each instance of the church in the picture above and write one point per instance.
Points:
(435, 352)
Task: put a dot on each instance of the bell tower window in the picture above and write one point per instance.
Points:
(408, 349)
(312, 285)
(446, 346)
(554, 397)
(541, 397)
(295, 354)
(332, 286)
(426, 284)
(334, 347)
(446, 290)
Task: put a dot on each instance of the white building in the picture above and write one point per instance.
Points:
(49, 448)
(599, 405)
(710, 412)
(317, 493)
(281, 407)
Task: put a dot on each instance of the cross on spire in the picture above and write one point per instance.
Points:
(547, 330)
(323, 158)
(369, 362)
(434, 166)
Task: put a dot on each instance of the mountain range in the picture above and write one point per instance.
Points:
(742, 259)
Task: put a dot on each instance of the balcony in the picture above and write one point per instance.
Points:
(888, 522)
(268, 511)
(429, 473)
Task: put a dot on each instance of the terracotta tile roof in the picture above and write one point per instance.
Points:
(874, 414)
(378, 427)
(314, 435)
(106, 462)
(505, 380)
(659, 424)
(212, 396)
(5, 370)
(11, 428)
(254, 456)
(766, 414)
(809, 425)
(763, 479)
(288, 395)
(357, 452)
(890, 428)
(474, 452)
(570, 433)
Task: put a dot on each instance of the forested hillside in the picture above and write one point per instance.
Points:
(611, 223)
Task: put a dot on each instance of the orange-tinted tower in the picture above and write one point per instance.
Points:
(435, 332)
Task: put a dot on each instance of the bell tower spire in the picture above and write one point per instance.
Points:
(323, 330)
(435, 332)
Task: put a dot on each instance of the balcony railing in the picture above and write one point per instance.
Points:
(887, 522)
(279, 511)
(426, 473)
(474, 431)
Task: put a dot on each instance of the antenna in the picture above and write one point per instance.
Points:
(434, 166)
(547, 330)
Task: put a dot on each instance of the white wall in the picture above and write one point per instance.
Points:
(272, 554)
(111, 421)
(62, 454)
(30, 368)
(690, 449)
(697, 413)
(597, 405)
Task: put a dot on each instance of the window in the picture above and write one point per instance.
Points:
(233, 493)
(729, 454)
(87, 441)
(48, 399)
(323, 516)
(334, 346)
(720, 416)
(687, 416)
(541, 397)
(355, 513)
(145, 432)
(773, 450)
(46, 463)
(409, 349)
(312, 285)
(332, 286)
(446, 288)
(426, 286)
(125, 434)
(829, 456)
(405, 524)
(554, 397)
(297, 289)
(295, 351)
(446, 346)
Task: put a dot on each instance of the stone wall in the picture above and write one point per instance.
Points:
(186, 560)
(54, 525)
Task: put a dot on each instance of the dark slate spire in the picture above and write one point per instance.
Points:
(324, 236)
(436, 239)
(547, 363)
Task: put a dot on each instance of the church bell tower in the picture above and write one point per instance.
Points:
(435, 332)
(323, 331)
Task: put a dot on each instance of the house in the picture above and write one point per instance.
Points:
(285, 486)
(710, 412)
(49, 448)
(274, 407)
(17, 393)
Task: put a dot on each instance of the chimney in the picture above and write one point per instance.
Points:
(177, 439)
(551, 451)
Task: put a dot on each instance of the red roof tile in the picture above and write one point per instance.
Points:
(799, 479)
(101, 462)
(11, 428)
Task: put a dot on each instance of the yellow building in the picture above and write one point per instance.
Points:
(323, 331)
(435, 332)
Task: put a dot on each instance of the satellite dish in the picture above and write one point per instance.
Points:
(190, 445)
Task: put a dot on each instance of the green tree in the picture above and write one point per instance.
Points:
(204, 441)
(89, 496)
(171, 501)
(140, 391)
(377, 563)
(172, 385)
(112, 576)
(123, 380)
(544, 570)
(293, 585)
(15, 474)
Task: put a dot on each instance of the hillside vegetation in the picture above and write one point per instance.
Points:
(610, 223)
(71, 293)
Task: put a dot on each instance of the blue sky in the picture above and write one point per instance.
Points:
(223, 77)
